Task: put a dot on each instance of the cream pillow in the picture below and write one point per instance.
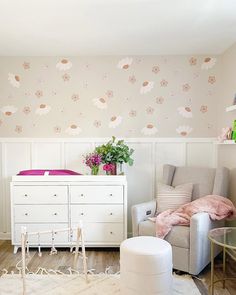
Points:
(169, 197)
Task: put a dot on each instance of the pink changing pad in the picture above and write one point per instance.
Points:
(49, 172)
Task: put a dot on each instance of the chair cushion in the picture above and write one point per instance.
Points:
(202, 179)
(179, 235)
(169, 197)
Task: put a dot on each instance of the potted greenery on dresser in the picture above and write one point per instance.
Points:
(113, 155)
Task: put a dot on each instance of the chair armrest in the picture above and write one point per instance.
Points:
(142, 212)
(200, 225)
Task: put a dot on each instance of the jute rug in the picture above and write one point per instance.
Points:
(102, 284)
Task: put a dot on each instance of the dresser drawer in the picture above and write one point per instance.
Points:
(102, 233)
(97, 213)
(59, 237)
(40, 194)
(97, 194)
(40, 213)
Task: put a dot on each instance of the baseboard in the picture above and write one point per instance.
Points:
(5, 236)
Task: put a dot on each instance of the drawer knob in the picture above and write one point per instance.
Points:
(110, 195)
(111, 232)
(26, 214)
(55, 195)
(26, 195)
(111, 213)
(82, 213)
(81, 195)
(55, 214)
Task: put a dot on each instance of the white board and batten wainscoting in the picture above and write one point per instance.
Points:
(50, 153)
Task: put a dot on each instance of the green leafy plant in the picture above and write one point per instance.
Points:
(115, 152)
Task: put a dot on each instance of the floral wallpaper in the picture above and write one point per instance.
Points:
(133, 96)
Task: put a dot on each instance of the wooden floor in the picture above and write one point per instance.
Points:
(99, 260)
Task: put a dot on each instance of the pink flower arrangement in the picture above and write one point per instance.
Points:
(93, 159)
(109, 167)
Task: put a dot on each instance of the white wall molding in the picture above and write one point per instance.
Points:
(104, 139)
(5, 236)
(150, 155)
(3, 186)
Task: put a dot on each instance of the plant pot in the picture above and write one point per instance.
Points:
(94, 170)
(113, 171)
(119, 169)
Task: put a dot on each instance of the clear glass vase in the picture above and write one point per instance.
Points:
(94, 170)
(119, 169)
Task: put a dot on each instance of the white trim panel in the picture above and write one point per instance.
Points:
(150, 155)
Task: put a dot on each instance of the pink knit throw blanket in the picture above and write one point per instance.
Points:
(217, 207)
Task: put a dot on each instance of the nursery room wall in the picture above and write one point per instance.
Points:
(139, 96)
(227, 153)
(53, 110)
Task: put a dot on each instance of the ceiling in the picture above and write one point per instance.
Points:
(116, 27)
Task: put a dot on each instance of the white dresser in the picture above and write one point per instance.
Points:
(52, 202)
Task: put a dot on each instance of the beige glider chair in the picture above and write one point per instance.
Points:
(190, 245)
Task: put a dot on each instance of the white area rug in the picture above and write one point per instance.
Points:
(102, 284)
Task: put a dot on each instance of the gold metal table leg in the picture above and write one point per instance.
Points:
(212, 268)
(224, 266)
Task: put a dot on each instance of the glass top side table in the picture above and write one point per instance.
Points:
(226, 238)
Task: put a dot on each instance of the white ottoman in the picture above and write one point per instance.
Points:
(146, 266)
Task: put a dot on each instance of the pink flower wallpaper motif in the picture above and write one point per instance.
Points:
(203, 109)
(146, 87)
(14, 80)
(132, 79)
(18, 129)
(73, 129)
(155, 69)
(208, 63)
(129, 96)
(115, 121)
(64, 64)
(150, 110)
(132, 113)
(75, 97)
(185, 112)
(26, 65)
(42, 109)
(164, 83)
(186, 87)
(97, 123)
(57, 129)
(109, 93)
(66, 77)
(39, 93)
(26, 110)
(8, 110)
(149, 129)
(193, 61)
(184, 130)
(125, 63)
(211, 79)
(100, 103)
(160, 100)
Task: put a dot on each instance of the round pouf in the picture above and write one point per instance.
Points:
(146, 266)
